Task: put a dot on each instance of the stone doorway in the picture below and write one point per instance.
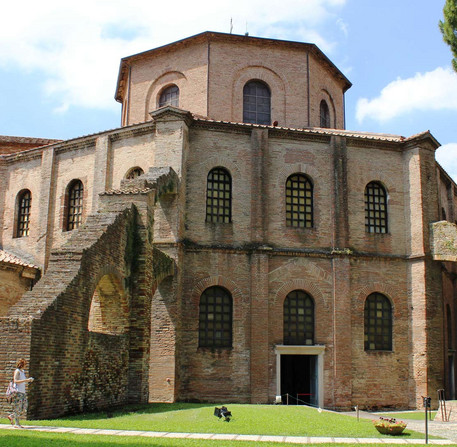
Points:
(300, 374)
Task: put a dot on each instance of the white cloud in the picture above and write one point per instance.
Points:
(434, 90)
(446, 155)
(75, 47)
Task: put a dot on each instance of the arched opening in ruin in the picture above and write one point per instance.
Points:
(109, 310)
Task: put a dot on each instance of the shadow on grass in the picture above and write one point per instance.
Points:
(137, 409)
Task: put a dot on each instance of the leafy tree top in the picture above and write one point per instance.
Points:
(448, 28)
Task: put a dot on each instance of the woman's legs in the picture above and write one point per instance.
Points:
(19, 407)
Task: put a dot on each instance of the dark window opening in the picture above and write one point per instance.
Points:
(75, 205)
(375, 208)
(23, 214)
(219, 196)
(298, 319)
(134, 173)
(378, 323)
(215, 321)
(256, 103)
(325, 114)
(299, 201)
(169, 96)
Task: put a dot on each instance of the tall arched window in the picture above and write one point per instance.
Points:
(215, 318)
(219, 196)
(298, 318)
(378, 323)
(169, 96)
(256, 103)
(375, 208)
(325, 114)
(134, 173)
(24, 204)
(75, 195)
(299, 201)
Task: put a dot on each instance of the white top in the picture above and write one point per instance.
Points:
(20, 386)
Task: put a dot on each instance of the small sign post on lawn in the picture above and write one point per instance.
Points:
(427, 404)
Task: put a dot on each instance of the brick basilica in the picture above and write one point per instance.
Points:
(231, 242)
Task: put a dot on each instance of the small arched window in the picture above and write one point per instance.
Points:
(378, 323)
(134, 173)
(256, 103)
(375, 208)
(75, 196)
(169, 96)
(24, 204)
(298, 318)
(443, 214)
(215, 318)
(450, 339)
(219, 196)
(299, 201)
(325, 114)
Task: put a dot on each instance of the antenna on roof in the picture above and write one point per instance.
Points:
(246, 32)
(231, 25)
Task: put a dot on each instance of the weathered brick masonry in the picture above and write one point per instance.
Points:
(116, 316)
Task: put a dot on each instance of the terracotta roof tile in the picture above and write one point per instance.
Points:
(8, 258)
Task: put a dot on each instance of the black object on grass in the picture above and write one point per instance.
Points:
(223, 412)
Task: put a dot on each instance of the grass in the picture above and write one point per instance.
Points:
(247, 419)
(37, 439)
(404, 415)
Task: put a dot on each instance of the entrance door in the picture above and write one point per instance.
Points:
(299, 379)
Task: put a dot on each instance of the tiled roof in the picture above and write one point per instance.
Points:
(8, 258)
(113, 192)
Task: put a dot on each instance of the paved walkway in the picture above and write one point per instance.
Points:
(232, 437)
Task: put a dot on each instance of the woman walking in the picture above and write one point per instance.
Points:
(20, 398)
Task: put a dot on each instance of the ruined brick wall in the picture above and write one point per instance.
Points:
(76, 370)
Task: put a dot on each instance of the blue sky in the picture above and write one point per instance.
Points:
(59, 60)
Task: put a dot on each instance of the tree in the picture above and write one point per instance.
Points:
(449, 28)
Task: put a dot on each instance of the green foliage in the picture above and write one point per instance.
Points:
(448, 28)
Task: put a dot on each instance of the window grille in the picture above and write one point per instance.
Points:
(299, 201)
(75, 205)
(256, 103)
(134, 173)
(215, 320)
(375, 208)
(378, 323)
(23, 216)
(325, 114)
(219, 196)
(169, 96)
(298, 319)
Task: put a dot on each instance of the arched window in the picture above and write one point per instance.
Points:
(134, 173)
(24, 203)
(219, 196)
(298, 318)
(375, 208)
(169, 96)
(299, 201)
(325, 114)
(215, 319)
(378, 323)
(450, 339)
(75, 195)
(256, 103)
(443, 214)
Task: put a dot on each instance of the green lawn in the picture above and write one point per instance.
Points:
(22, 438)
(247, 419)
